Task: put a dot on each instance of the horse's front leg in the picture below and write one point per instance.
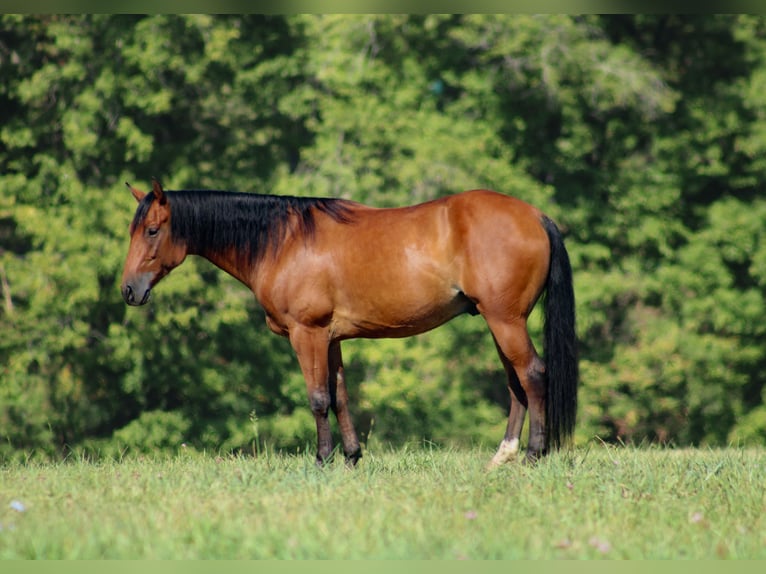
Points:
(339, 404)
(312, 348)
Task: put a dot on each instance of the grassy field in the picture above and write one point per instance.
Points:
(597, 502)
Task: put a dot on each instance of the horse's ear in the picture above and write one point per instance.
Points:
(159, 195)
(137, 193)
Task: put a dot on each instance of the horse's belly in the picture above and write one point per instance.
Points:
(400, 316)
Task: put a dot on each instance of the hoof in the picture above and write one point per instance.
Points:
(533, 457)
(323, 461)
(353, 458)
(507, 451)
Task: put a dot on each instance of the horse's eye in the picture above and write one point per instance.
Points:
(152, 231)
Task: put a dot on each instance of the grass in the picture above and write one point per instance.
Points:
(599, 502)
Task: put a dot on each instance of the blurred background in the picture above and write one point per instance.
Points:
(644, 137)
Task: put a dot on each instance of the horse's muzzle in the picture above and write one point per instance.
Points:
(132, 297)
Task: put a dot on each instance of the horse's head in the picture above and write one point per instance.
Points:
(152, 253)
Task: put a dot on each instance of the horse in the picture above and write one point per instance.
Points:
(325, 270)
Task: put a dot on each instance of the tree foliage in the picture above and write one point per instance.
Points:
(642, 136)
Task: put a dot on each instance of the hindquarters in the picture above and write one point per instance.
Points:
(503, 253)
(512, 254)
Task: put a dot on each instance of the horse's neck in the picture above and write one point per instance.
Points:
(237, 267)
(199, 241)
(230, 247)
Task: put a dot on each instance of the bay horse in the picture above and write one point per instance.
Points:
(326, 270)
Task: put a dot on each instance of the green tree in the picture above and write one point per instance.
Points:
(88, 102)
(643, 136)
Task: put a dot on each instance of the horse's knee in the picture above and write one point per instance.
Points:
(319, 402)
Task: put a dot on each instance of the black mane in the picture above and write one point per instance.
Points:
(213, 221)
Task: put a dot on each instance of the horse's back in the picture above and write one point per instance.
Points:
(477, 211)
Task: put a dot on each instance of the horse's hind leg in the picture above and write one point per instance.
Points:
(509, 447)
(526, 380)
(339, 405)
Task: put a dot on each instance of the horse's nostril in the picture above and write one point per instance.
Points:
(127, 294)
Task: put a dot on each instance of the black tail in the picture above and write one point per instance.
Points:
(559, 343)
